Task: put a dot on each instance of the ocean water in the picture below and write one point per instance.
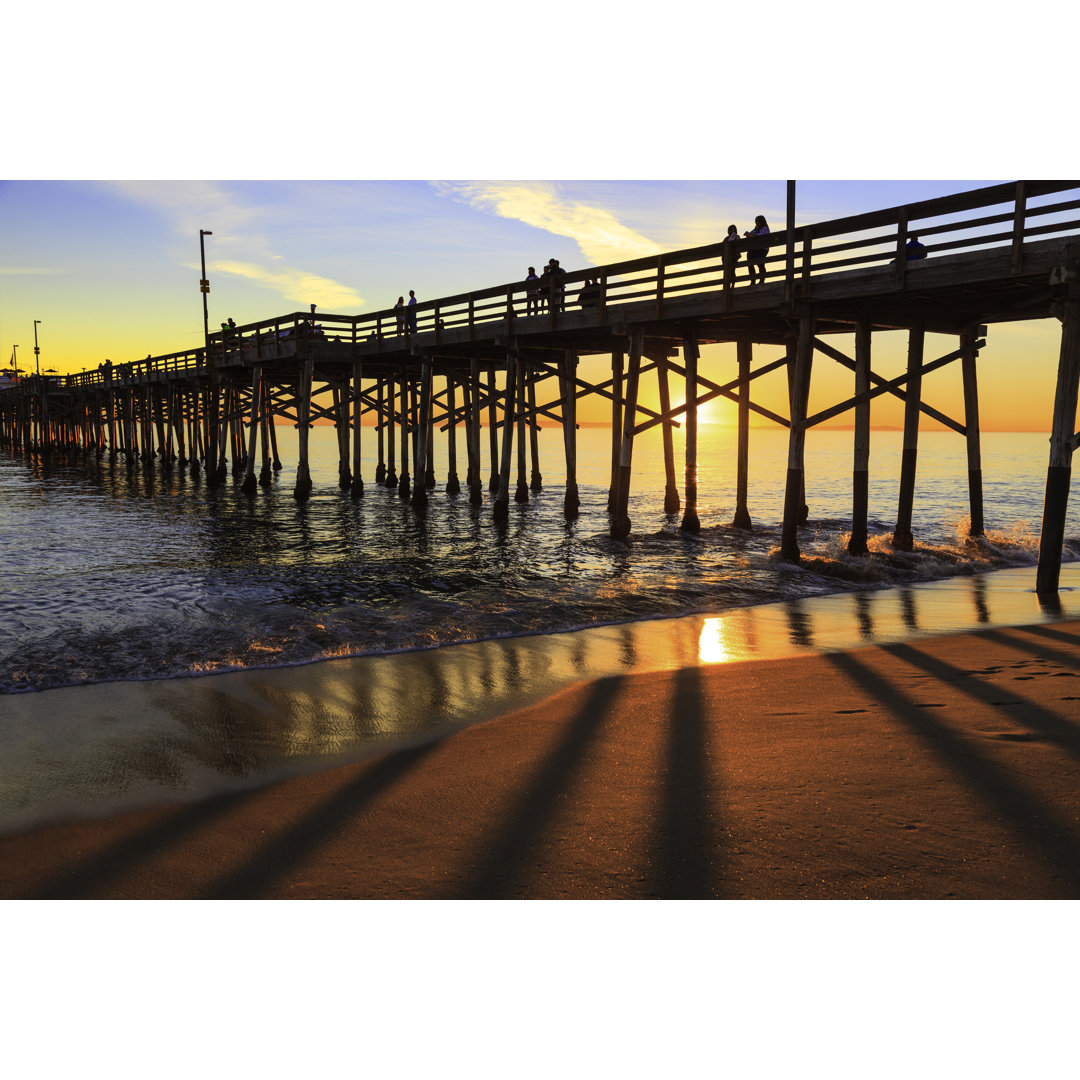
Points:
(117, 572)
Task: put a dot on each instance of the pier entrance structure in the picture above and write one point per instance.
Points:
(508, 356)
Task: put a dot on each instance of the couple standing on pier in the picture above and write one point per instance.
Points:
(399, 311)
(755, 257)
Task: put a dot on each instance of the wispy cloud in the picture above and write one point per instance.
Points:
(296, 285)
(599, 234)
(28, 271)
(194, 205)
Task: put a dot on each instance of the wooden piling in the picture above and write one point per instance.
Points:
(617, 360)
(380, 423)
(671, 489)
(536, 481)
(800, 392)
(902, 538)
(406, 425)
(303, 417)
(521, 495)
(423, 428)
(690, 522)
(248, 485)
(568, 367)
(266, 474)
(860, 475)
(476, 486)
(501, 507)
(453, 485)
(744, 356)
(357, 488)
(340, 397)
(391, 480)
(1062, 444)
(493, 430)
(971, 425)
(620, 524)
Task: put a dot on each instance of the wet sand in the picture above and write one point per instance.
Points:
(944, 767)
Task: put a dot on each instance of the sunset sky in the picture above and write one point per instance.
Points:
(111, 268)
(108, 260)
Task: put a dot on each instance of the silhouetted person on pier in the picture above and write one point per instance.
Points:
(532, 292)
(399, 314)
(913, 250)
(412, 312)
(731, 252)
(755, 257)
(590, 294)
(556, 276)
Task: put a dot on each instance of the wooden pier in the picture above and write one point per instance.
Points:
(1005, 253)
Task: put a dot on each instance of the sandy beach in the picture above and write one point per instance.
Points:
(939, 768)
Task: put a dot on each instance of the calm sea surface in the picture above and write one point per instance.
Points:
(111, 572)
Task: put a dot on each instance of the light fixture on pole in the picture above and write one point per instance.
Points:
(15, 360)
(37, 351)
(204, 288)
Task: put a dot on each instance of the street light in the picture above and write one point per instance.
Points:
(37, 351)
(204, 288)
(15, 361)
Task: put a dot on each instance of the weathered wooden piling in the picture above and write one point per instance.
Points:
(860, 474)
(690, 522)
(902, 537)
(744, 357)
(453, 485)
(423, 427)
(671, 489)
(501, 507)
(971, 423)
(476, 486)
(357, 488)
(1063, 442)
(568, 367)
(620, 522)
(617, 360)
(302, 488)
(406, 424)
(800, 393)
(493, 430)
(536, 480)
(521, 495)
(253, 428)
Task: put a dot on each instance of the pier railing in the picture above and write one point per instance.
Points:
(1003, 216)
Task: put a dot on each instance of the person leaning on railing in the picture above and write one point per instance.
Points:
(755, 257)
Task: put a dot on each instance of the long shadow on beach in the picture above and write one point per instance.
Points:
(1040, 827)
(96, 873)
(276, 860)
(686, 842)
(497, 872)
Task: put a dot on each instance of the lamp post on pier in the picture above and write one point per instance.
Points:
(204, 288)
(37, 351)
(15, 361)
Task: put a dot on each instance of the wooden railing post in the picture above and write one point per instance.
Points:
(901, 247)
(789, 267)
(1019, 214)
(807, 261)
